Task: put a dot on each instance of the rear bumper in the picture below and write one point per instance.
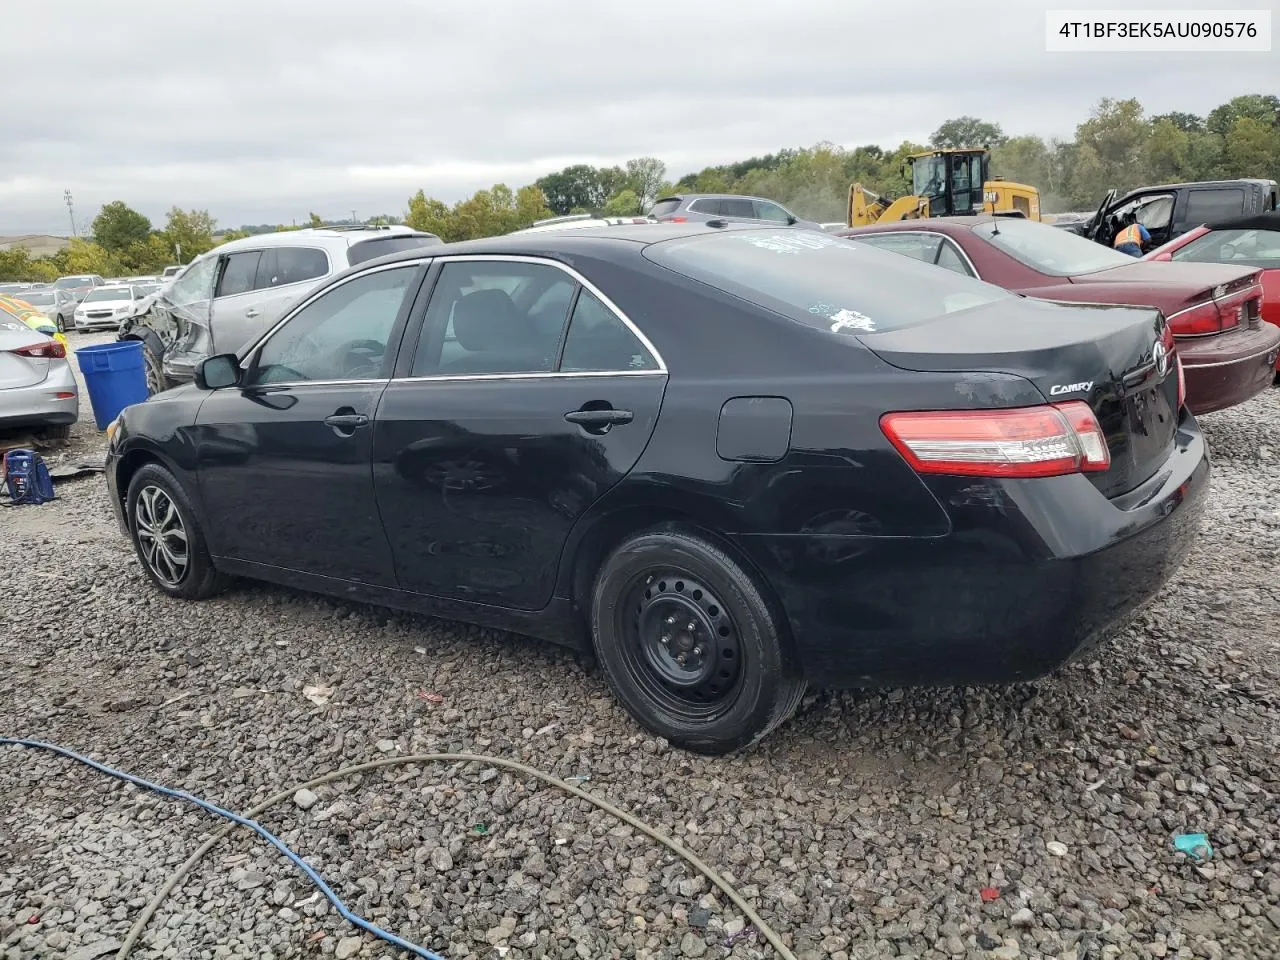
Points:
(1033, 574)
(38, 404)
(1229, 368)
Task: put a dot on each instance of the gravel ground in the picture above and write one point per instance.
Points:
(866, 827)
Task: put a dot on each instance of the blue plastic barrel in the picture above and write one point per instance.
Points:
(115, 377)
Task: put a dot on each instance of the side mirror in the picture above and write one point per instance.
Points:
(792, 220)
(215, 373)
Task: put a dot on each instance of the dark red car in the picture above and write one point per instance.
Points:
(1228, 354)
(1252, 241)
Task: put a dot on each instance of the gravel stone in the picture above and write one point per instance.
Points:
(347, 947)
(305, 799)
(863, 828)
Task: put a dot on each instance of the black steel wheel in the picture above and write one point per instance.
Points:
(689, 644)
(168, 538)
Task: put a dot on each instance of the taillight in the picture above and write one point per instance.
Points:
(52, 350)
(1047, 441)
(674, 219)
(1199, 320)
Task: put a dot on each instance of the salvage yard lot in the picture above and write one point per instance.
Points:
(865, 827)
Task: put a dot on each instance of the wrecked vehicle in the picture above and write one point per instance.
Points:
(1170, 210)
(731, 460)
(226, 298)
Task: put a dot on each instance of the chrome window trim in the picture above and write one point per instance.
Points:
(542, 374)
(307, 301)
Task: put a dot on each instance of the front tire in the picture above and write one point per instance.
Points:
(167, 536)
(689, 644)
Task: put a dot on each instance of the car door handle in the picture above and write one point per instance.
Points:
(252, 312)
(599, 421)
(346, 422)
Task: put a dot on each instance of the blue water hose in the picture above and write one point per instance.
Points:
(253, 825)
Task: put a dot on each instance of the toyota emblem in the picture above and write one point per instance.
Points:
(1161, 356)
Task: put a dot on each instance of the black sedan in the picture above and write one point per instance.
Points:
(733, 461)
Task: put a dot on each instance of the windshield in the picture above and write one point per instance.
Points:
(1057, 253)
(37, 298)
(929, 176)
(73, 283)
(823, 281)
(143, 289)
(109, 293)
(1251, 248)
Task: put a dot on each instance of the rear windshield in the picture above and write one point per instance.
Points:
(827, 282)
(381, 246)
(664, 208)
(43, 298)
(1054, 252)
(63, 283)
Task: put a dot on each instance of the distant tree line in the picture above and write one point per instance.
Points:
(1117, 146)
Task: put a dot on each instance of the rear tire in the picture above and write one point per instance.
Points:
(689, 644)
(156, 380)
(56, 431)
(167, 536)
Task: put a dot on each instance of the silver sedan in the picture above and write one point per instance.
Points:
(37, 385)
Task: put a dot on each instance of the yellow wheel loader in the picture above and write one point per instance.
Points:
(947, 183)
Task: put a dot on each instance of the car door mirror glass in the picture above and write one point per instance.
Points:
(218, 372)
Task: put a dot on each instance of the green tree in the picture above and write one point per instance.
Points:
(578, 186)
(967, 132)
(1022, 160)
(1116, 134)
(1251, 149)
(191, 231)
(1186, 122)
(316, 221)
(624, 204)
(1167, 155)
(85, 256)
(429, 214)
(118, 225)
(531, 205)
(1264, 108)
(643, 178)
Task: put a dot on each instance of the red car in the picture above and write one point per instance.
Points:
(1228, 354)
(1252, 241)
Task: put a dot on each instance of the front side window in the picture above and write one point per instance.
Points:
(492, 317)
(238, 274)
(737, 208)
(929, 176)
(1049, 250)
(598, 341)
(949, 257)
(1155, 214)
(341, 335)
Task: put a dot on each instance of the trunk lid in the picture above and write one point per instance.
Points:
(1102, 354)
(1193, 278)
(15, 369)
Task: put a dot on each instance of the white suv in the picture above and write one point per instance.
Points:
(225, 298)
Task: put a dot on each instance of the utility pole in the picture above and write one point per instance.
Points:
(71, 211)
(353, 218)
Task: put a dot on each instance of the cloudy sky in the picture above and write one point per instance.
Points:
(263, 110)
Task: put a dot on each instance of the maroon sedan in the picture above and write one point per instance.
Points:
(1228, 353)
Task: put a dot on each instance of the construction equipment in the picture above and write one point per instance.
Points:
(947, 183)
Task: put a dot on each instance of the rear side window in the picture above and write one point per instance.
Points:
(238, 274)
(285, 265)
(1208, 206)
(710, 206)
(919, 246)
(665, 208)
(598, 341)
(822, 281)
(741, 209)
(381, 246)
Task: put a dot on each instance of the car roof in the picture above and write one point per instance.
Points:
(325, 235)
(938, 224)
(1254, 221)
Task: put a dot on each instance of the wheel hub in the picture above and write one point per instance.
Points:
(683, 635)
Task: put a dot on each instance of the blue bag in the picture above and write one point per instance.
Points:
(26, 478)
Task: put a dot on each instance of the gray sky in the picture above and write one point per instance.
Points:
(262, 110)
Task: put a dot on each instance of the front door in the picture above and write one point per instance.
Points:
(285, 458)
(504, 428)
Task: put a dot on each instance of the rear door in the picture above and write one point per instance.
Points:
(282, 277)
(524, 396)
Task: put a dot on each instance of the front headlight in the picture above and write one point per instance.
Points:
(112, 428)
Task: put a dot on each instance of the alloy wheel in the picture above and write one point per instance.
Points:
(162, 537)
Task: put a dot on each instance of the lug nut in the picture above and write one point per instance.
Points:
(671, 620)
(691, 626)
(665, 640)
(697, 651)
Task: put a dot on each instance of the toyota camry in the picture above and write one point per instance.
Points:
(732, 461)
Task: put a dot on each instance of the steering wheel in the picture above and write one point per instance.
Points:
(362, 357)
